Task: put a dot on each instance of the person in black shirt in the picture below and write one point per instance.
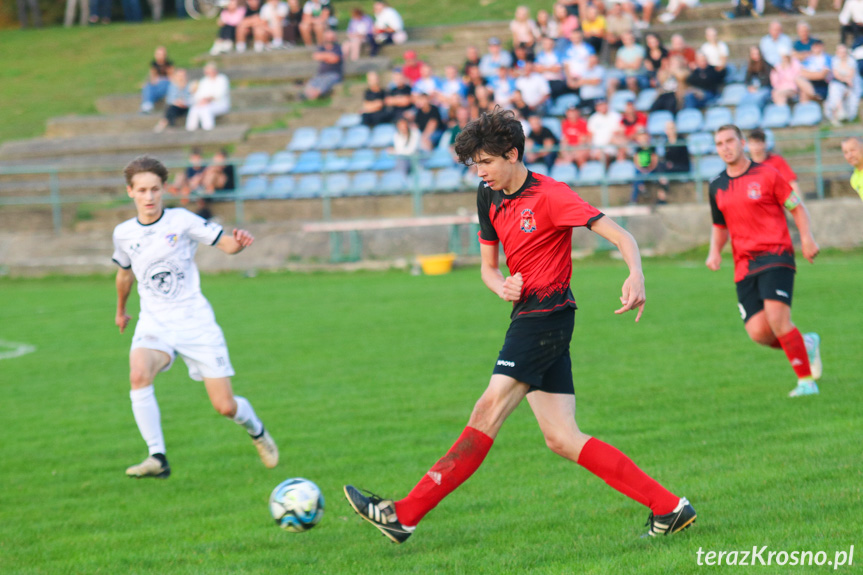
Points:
(703, 83)
(374, 105)
(472, 58)
(398, 99)
(156, 88)
(674, 161)
(645, 160)
(541, 143)
(292, 23)
(428, 120)
(330, 68)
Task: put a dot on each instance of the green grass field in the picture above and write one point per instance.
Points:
(368, 378)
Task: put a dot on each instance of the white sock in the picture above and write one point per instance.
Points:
(277, 43)
(259, 46)
(246, 417)
(147, 416)
(241, 47)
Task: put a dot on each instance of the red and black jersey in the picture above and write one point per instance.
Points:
(751, 207)
(779, 164)
(534, 224)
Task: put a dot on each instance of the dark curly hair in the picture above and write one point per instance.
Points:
(142, 165)
(494, 133)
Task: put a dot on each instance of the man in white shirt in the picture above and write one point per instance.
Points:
(591, 83)
(851, 20)
(157, 248)
(389, 28)
(605, 130)
(211, 98)
(534, 88)
(495, 59)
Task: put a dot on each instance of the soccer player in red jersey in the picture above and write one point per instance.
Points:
(759, 154)
(746, 201)
(532, 216)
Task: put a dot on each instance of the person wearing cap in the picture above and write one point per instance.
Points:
(412, 70)
(773, 42)
(496, 58)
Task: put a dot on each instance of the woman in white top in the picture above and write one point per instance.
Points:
(212, 97)
(844, 90)
(405, 144)
(715, 50)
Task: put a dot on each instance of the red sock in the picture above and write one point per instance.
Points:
(795, 349)
(453, 469)
(616, 469)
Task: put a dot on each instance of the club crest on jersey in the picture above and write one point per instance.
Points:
(172, 239)
(754, 191)
(528, 223)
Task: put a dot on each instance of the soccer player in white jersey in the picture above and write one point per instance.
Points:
(157, 248)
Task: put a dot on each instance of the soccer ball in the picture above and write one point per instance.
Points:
(297, 504)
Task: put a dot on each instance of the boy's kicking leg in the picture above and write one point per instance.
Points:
(241, 412)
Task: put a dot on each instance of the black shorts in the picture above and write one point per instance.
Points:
(774, 284)
(536, 352)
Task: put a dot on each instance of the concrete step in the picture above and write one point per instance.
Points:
(104, 188)
(84, 166)
(73, 126)
(824, 25)
(241, 98)
(301, 70)
(133, 143)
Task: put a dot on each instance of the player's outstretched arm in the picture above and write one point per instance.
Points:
(236, 242)
(125, 280)
(508, 289)
(633, 294)
(807, 241)
(718, 239)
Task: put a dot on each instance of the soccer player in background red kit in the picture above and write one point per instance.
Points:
(532, 216)
(746, 201)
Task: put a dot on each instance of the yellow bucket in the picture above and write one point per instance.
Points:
(436, 265)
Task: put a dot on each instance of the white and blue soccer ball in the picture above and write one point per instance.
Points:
(297, 504)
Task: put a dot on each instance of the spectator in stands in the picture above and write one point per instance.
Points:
(803, 44)
(503, 86)
(643, 7)
(428, 120)
(679, 47)
(617, 23)
(593, 28)
(496, 58)
(757, 79)
(427, 83)
(606, 132)
(566, 23)
(219, 175)
(757, 142)
(787, 81)
(291, 34)
(457, 122)
(786, 6)
(845, 89)
(632, 121)
(702, 85)
(669, 78)
(774, 42)
(524, 30)
(473, 82)
(315, 22)
(358, 33)
(412, 69)
(540, 145)
(575, 141)
(851, 21)
(674, 9)
(389, 27)
(816, 70)
(398, 99)
(374, 102)
(406, 144)
(521, 54)
(674, 161)
(189, 180)
(646, 161)
(591, 84)
(745, 9)
(715, 50)
(547, 25)
(274, 14)
(451, 90)
(156, 87)
(575, 57)
(251, 24)
(522, 110)
(549, 65)
(655, 53)
(177, 101)
(211, 98)
(534, 89)
(330, 68)
(229, 18)
(471, 58)
(629, 63)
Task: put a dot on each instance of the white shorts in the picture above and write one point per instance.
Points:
(202, 347)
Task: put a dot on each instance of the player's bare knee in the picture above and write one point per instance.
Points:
(139, 378)
(226, 407)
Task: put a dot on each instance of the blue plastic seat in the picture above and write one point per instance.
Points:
(758, 98)
(553, 124)
(700, 143)
(282, 163)
(348, 120)
(336, 163)
(710, 166)
(309, 163)
(361, 160)
(281, 187)
(566, 173)
(563, 103)
(716, 117)
(356, 137)
(591, 172)
(747, 117)
(806, 114)
(448, 180)
(363, 184)
(471, 180)
(382, 136)
(776, 116)
(440, 158)
(621, 170)
(424, 179)
(735, 72)
(656, 122)
(310, 186)
(303, 139)
(255, 164)
(732, 94)
(330, 138)
(645, 99)
(393, 183)
(689, 120)
(538, 168)
(384, 162)
(337, 184)
(255, 187)
(620, 98)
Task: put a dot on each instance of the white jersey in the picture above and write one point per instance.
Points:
(162, 257)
